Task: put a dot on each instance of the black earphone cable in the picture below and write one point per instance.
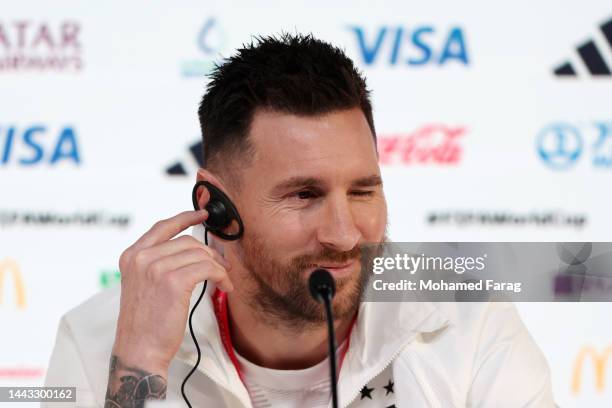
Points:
(195, 341)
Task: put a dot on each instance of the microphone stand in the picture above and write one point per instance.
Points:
(323, 289)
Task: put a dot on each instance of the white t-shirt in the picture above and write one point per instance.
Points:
(268, 387)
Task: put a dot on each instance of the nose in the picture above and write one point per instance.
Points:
(337, 229)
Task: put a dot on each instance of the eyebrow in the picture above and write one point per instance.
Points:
(301, 181)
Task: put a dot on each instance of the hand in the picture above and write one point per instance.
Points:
(158, 276)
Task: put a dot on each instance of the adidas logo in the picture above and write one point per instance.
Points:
(593, 54)
(190, 163)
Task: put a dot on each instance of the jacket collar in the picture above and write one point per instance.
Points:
(382, 331)
(215, 362)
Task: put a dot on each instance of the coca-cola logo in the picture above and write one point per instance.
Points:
(40, 46)
(435, 144)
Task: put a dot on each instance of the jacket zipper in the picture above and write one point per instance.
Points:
(377, 373)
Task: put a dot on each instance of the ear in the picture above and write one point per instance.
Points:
(224, 219)
(202, 194)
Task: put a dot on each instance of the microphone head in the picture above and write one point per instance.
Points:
(321, 285)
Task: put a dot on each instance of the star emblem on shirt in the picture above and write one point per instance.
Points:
(366, 392)
(389, 388)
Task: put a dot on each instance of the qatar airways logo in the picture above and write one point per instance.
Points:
(432, 144)
(27, 45)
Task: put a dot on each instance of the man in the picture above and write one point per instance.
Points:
(289, 137)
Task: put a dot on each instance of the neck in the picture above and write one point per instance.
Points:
(274, 346)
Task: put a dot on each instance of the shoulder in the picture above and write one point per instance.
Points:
(483, 347)
(466, 321)
(476, 327)
(90, 329)
(96, 317)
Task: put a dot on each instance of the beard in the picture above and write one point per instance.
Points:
(280, 293)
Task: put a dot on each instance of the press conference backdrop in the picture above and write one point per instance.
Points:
(494, 122)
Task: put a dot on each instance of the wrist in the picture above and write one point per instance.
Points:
(141, 357)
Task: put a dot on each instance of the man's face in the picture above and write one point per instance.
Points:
(311, 197)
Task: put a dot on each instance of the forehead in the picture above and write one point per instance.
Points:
(339, 144)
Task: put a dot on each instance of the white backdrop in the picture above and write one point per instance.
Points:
(97, 101)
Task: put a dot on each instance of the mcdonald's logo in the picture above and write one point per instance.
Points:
(10, 267)
(600, 361)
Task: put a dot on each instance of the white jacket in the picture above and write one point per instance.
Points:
(436, 355)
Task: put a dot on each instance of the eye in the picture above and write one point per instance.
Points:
(306, 194)
(363, 193)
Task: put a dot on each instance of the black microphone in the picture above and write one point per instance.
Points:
(323, 288)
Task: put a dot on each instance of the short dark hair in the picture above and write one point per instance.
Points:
(296, 74)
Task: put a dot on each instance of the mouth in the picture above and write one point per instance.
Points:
(338, 270)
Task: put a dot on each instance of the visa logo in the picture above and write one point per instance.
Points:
(37, 144)
(419, 46)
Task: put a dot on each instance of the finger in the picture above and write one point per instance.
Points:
(174, 246)
(177, 245)
(177, 260)
(199, 272)
(166, 229)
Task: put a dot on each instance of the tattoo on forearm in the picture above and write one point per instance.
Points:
(130, 387)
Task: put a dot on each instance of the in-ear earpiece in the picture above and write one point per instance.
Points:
(217, 215)
(223, 218)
